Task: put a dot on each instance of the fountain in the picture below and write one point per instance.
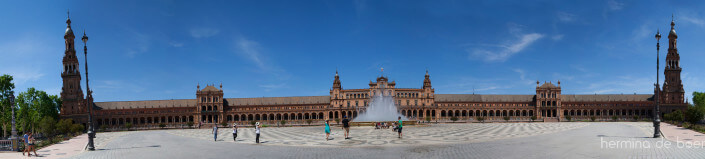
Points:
(381, 109)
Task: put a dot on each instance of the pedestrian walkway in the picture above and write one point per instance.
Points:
(64, 149)
(680, 134)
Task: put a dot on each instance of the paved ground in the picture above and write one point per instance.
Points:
(492, 140)
(60, 150)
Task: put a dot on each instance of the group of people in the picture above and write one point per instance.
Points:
(29, 144)
(346, 127)
(257, 130)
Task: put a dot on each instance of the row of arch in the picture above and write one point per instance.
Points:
(145, 120)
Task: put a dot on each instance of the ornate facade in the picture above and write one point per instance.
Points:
(421, 104)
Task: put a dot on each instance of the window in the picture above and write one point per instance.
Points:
(416, 102)
(348, 103)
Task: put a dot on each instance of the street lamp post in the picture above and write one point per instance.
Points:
(657, 121)
(91, 133)
(15, 140)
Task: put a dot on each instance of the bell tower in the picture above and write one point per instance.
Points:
(71, 93)
(673, 92)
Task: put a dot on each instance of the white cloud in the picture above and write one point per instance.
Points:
(565, 17)
(614, 5)
(250, 49)
(557, 37)
(507, 49)
(270, 87)
(694, 20)
(203, 32)
(176, 44)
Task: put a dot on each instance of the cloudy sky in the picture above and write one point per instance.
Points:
(163, 49)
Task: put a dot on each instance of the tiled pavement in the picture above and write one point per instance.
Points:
(492, 140)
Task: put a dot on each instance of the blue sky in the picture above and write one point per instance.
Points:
(149, 50)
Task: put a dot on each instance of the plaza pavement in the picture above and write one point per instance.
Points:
(490, 140)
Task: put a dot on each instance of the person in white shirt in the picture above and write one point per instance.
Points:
(215, 132)
(257, 132)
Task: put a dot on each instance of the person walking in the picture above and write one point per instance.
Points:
(327, 130)
(346, 127)
(25, 139)
(400, 126)
(31, 145)
(257, 132)
(234, 131)
(215, 132)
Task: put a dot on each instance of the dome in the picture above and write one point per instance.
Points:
(673, 30)
(69, 31)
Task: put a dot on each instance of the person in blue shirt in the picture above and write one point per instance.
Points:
(400, 125)
(25, 138)
(327, 129)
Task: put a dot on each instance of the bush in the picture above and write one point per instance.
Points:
(636, 118)
(47, 126)
(128, 126)
(223, 124)
(454, 118)
(309, 121)
(253, 122)
(568, 117)
(283, 122)
(480, 119)
(64, 126)
(77, 128)
(694, 114)
(592, 118)
(190, 124)
(676, 116)
(102, 128)
(162, 125)
(533, 118)
(428, 119)
(506, 118)
(337, 121)
(614, 118)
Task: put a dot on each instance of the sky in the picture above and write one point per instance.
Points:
(155, 50)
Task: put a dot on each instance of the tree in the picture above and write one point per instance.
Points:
(506, 118)
(592, 118)
(223, 124)
(77, 128)
(283, 122)
(6, 87)
(635, 117)
(253, 122)
(309, 121)
(337, 121)
(533, 118)
(190, 124)
(454, 118)
(614, 118)
(699, 99)
(162, 125)
(35, 105)
(428, 119)
(568, 117)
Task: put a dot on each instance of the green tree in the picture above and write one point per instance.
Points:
(309, 121)
(428, 119)
(190, 124)
(6, 87)
(283, 122)
(533, 118)
(223, 124)
(162, 125)
(480, 119)
(699, 99)
(506, 118)
(614, 118)
(77, 129)
(592, 118)
(35, 105)
(568, 117)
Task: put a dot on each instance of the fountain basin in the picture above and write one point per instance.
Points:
(372, 123)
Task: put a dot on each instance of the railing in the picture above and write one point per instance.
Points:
(5, 145)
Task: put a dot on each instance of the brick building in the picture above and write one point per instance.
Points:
(210, 106)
